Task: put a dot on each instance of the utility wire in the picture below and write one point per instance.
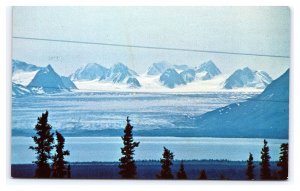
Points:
(163, 48)
(151, 47)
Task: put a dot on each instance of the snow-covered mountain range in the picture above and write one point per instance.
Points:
(160, 77)
(118, 73)
(30, 79)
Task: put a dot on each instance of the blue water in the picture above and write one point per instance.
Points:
(87, 149)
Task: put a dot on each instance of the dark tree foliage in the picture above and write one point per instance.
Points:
(283, 162)
(127, 163)
(59, 163)
(44, 145)
(181, 173)
(202, 175)
(166, 163)
(250, 167)
(223, 177)
(265, 172)
(69, 171)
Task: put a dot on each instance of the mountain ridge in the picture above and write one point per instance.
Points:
(261, 116)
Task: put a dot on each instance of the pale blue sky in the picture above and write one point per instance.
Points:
(261, 30)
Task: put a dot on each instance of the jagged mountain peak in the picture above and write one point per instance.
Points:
(247, 77)
(170, 78)
(49, 81)
(158, 68)
(207, 70)
(91, 71)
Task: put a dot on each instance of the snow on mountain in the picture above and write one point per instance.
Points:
(22, 72)
(48, 80)
(19, 90)
(91, 71)
(23, 78)
(247, 78)
(170, 78)
(265, 115)
(133, 83)
(94, 77)
(181, 68)
(68, 83)
(119, 73)
(188, 75)
(97, 75)
(157, 68)
(20, 66)
(207, 70)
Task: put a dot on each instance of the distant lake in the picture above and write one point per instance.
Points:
(87, 149)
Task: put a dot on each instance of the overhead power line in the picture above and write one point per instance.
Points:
(151, 47)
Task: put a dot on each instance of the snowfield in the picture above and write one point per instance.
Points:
(152, 84)
(23, 78)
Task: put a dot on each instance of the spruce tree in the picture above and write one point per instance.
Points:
(181, 173)
(69, 171)
(250, 167)
(202, 175)
(283, 162)
(59, 163)
(44, 145)
(166, 163)
(127, 163)
(265, 172)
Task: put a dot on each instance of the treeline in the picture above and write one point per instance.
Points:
(59, 168)
(128, 167)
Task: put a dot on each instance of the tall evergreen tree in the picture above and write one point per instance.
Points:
(59, 163)
(202, 175)
(283, 162)
(265, 172)
(181, 173)
(166, 163)
(127, 163)
(44, 145)
(250, 167)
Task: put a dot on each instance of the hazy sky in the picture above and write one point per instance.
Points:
(261, 30)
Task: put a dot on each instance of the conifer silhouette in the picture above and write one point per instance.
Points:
(44, 145)
(59, 163)
(127, 163)
(181, 173)
(283, 162)
(166, 163)
(265, 172)
(250, 167)
(202, 175)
